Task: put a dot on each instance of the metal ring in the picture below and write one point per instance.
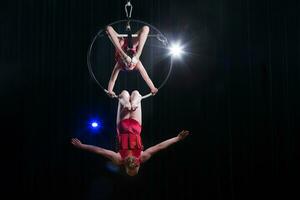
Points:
(160, 37)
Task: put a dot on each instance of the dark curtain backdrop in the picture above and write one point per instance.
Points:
(237, 91)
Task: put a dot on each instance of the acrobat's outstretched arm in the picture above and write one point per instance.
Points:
(146, 155)
(112, 80)
(146, 77)
(114, 157)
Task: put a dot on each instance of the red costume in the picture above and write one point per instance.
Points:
(129, 138)
(125, 47)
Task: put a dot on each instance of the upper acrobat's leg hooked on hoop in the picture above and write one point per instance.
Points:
(138, 43)
(113, 36)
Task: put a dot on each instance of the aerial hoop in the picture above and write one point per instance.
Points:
(159, 36)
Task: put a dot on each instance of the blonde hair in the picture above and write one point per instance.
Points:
(131, 162)
(131, 165)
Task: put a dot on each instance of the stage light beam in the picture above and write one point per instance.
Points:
(176, 50)
(94, 124)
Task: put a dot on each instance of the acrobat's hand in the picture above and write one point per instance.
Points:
(126, 60)
(154, 91)
(111, 94)
(134, 62)
(76, 142)
(183, 134)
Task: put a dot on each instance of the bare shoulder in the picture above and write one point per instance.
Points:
(117, 159)
(145, 156)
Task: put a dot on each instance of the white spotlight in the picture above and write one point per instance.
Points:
(94, 124)
(176, 50)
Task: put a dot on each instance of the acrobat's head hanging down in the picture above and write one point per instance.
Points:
(132, 165)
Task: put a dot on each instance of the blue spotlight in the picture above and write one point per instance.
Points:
(96, 125)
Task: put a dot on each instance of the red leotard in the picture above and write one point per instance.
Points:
(129, 138)
(126, 49)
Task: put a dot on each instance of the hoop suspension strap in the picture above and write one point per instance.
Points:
(128, 11)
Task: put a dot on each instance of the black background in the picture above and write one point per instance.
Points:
(237, 91)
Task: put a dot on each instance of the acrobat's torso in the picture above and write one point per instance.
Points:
(130, 51)
(129, 138)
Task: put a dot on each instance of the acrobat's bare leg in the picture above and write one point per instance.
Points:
(113, 36)
(124, 106)
(136, 112)
(142, 37)
(124, 99)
